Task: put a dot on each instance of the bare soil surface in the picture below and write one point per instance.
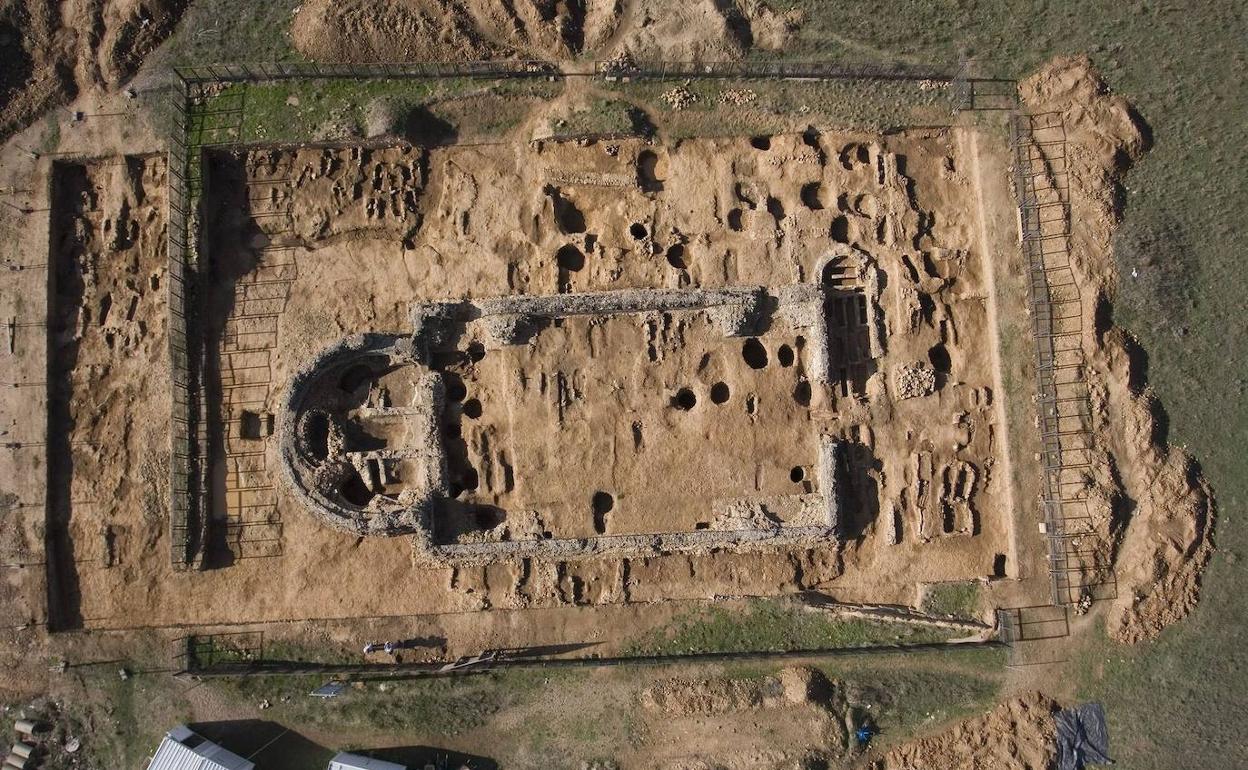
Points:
(803, 715)
(389, 226)
(109, 447)
(1019, 734)
(50, 52)
(435, 30)
(1153, 510)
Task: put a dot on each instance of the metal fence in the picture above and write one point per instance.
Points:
(1017, 626)
(184, 458)
(194, 126)
(237, 664)
(967, 92)
(776, 69)
(240, 72)
(202, 651)
(1033, 623)
(1041, 177)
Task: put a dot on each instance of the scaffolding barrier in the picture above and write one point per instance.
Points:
(1077, 568)
(185, 456)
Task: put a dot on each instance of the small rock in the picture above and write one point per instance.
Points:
(678, 98)
(264, 704)
(1085, 604)
(914, 380)
(737, 96)
(72, 745)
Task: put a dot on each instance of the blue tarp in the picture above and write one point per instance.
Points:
(1081, 737)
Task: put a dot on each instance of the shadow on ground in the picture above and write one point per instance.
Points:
(275, 747)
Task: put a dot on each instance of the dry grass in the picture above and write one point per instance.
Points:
(1175, 703)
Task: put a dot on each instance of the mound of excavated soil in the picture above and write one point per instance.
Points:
(719, 722)
(792, 686)
(49, 51)
(1016, 735)
(402, 30)
(685, 697)
(446, 30)
(702, 30)
(1160, 531)
(108, 400)
(1168, 541)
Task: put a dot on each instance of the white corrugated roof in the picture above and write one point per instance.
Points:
(174, 753)
(345, 761)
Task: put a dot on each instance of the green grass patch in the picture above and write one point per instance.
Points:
(119, 722)
(775, 626)
(430, 706)
(602, 117)
(911, 694)
(906, 700)
(957, 599)
(281, 650)
(50, 138)
(422, 110)
(221, 31)
(783, 106)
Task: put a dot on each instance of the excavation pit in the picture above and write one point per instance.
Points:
(502, 348)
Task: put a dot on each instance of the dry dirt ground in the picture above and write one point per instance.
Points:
(438, 30)
(389, 226)
(1152, 511)
(49, 51)
(306, 245)
(1018, 734)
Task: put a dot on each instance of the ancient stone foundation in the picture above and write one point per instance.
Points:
(364, 420)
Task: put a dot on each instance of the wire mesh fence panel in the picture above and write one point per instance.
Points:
(785, 69)
(182, 414)
(1077, 560)
(239, 72)
(210, 650)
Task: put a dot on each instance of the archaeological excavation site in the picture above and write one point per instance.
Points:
(562, 371)
(593, 370)
(630, 377)
(537, 360)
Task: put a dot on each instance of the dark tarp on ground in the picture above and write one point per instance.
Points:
(1081, 737)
